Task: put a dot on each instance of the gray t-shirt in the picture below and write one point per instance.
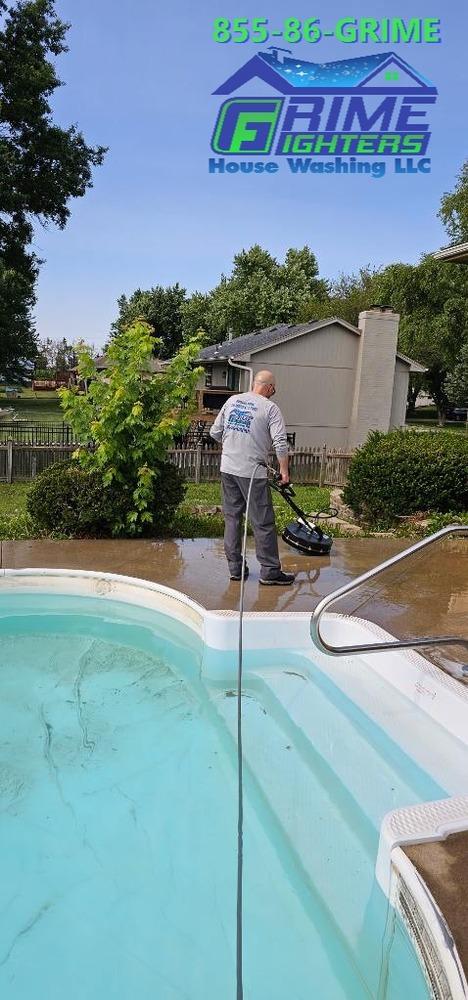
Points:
(249, 425)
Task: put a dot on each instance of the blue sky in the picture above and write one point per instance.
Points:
(139, 78)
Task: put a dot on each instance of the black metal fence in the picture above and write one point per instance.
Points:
(36, 433)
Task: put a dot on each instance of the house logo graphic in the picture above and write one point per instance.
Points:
(374, 105)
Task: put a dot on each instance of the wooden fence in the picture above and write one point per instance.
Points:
(320, 466)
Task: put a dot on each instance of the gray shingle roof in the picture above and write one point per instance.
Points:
(238, 347)
(256, 341)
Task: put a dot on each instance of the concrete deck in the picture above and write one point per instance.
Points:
(428, 596)
(444, 867)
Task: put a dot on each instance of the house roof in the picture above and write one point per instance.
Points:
(292, 74)
(241, 348)
(414, 365)
(458, 253)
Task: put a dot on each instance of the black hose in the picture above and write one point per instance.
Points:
(240, 785)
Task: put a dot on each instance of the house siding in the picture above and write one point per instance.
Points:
(314, 383)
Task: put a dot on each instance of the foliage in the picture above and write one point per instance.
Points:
(404, 472)
(347, 296)
(438, 521)
(454, 208)
(18, 346)
(17, 527)
(42, 165)
(456, 383)
(55, 356)
(258, 293)
(131, 419)
(431, 298)
(161, 308)
(75, 502)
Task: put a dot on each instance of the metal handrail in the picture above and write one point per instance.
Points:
(460, 671)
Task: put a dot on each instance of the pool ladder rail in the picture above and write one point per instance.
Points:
(459, 671)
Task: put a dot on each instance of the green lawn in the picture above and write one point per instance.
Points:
(188, 524)
(13, 498)
(455, 426)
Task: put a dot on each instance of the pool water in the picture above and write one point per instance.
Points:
(118, 827)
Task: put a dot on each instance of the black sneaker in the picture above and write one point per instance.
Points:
(282, 580)
(237, 577)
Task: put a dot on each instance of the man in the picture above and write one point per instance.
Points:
(248, 425)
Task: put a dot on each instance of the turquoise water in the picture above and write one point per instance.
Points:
(118, 826)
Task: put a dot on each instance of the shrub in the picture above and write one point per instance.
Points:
(76, 502)
(404, 472)
(131, 417)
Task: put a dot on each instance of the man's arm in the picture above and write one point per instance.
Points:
(217, 429)
(280, 441)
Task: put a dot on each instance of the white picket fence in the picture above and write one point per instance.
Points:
(320, 466)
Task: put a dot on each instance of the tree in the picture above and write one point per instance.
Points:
(161, 308)
(42, 165)
(17, 340)
(131, 419)
(347, 296)
(456, 383)
(55, 356)
(259, 292)
(454, 208)
(431, 298)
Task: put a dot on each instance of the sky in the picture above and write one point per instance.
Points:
(139, 78)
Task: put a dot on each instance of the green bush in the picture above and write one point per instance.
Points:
(404, 472)
(73, 501)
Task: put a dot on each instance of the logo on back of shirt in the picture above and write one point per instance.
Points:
(241, 416)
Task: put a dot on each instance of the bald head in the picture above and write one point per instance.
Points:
(264, 384)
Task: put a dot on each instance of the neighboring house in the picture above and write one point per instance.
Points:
(154, 367)
(455, 254)
(335, 382)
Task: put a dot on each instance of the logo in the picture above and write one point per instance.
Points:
(371, 106)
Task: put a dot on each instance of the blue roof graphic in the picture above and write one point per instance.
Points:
(343, 73)
(291, 74)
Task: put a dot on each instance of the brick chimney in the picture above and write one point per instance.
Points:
(375, 373)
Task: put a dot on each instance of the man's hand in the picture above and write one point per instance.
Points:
(284, 470)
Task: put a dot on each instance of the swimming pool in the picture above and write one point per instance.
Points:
(118, 798)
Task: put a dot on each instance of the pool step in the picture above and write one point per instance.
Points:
(327, 727)
(330, 838)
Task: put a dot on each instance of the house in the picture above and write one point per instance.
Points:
(455, 254)
(154, 367)
(335, 382)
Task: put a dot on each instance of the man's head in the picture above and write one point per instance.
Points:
(264, 384)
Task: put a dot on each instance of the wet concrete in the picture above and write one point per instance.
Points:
(444, 867)
(426, 596)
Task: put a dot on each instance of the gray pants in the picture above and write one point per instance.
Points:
(261, 517)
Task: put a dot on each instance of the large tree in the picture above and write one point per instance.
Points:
(431, 298)
(347, 296)
(454, 208)
(42, 165)
(161, 308)
(259, 292)
(456, 383)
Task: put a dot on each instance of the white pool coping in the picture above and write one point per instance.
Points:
(435, 693)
